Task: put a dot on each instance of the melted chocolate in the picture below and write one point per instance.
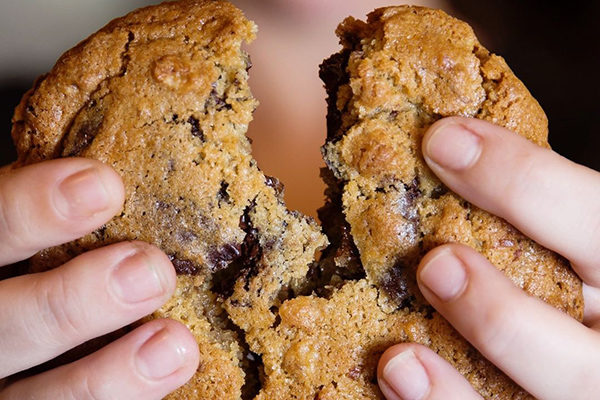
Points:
(196, 130)
(275, 184)
(222, 257)
(84, 136)
(185, 267)
(395, 285)
(333, 73)
(246, 264)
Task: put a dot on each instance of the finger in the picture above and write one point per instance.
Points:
(547, 197)
(413, 372)
(591, 311)
(544, 350)
(44, 315)
(146, 364)
(50, 203)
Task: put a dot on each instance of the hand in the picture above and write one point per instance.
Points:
(548, 198)
(43, 315)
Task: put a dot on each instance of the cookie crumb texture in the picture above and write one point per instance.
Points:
(162, 96)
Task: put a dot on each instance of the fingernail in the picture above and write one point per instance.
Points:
(82, 194)
(161, 355)
(453, 146)
(137, 278)
(444, 275)
(405, 375)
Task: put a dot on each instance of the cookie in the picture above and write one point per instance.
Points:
(162, 96)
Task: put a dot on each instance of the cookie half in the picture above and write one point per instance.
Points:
(161, 95)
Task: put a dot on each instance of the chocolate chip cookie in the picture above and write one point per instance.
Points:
(280, 309)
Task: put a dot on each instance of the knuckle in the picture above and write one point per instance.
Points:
(87, 389)
(61, 311)
(518, 185)
(591, 240)
(14, 228)
(496, 331)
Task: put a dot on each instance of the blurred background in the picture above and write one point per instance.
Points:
(553, 49)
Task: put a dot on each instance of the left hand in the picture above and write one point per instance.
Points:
(548, 198)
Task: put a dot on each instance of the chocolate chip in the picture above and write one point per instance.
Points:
(347, 258)
(83, 137)
(438, 192)
(185, 267)
(333, 73)
(245, 221)
(100, 233)
(222, 194)
(247, 263)
(394, 284)
(428, 312)
(196, 131)
(275, 184)
(220, 258)
(354, 373)
(218, 101)
(412, 191)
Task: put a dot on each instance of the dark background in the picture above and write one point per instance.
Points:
(553, 48)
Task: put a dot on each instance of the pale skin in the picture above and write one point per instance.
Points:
(546, 352)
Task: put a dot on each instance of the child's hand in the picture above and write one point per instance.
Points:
(43, 315)
(550, 199)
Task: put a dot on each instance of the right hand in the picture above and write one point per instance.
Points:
(43, 315)
(548, 198)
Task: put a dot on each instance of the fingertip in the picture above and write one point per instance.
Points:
(168, 353)
(148, 363)
(161, 263)
(451, 145)
(113, 183)
(402, 375)
(411, 371)
(443, 273)
(86, 189)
